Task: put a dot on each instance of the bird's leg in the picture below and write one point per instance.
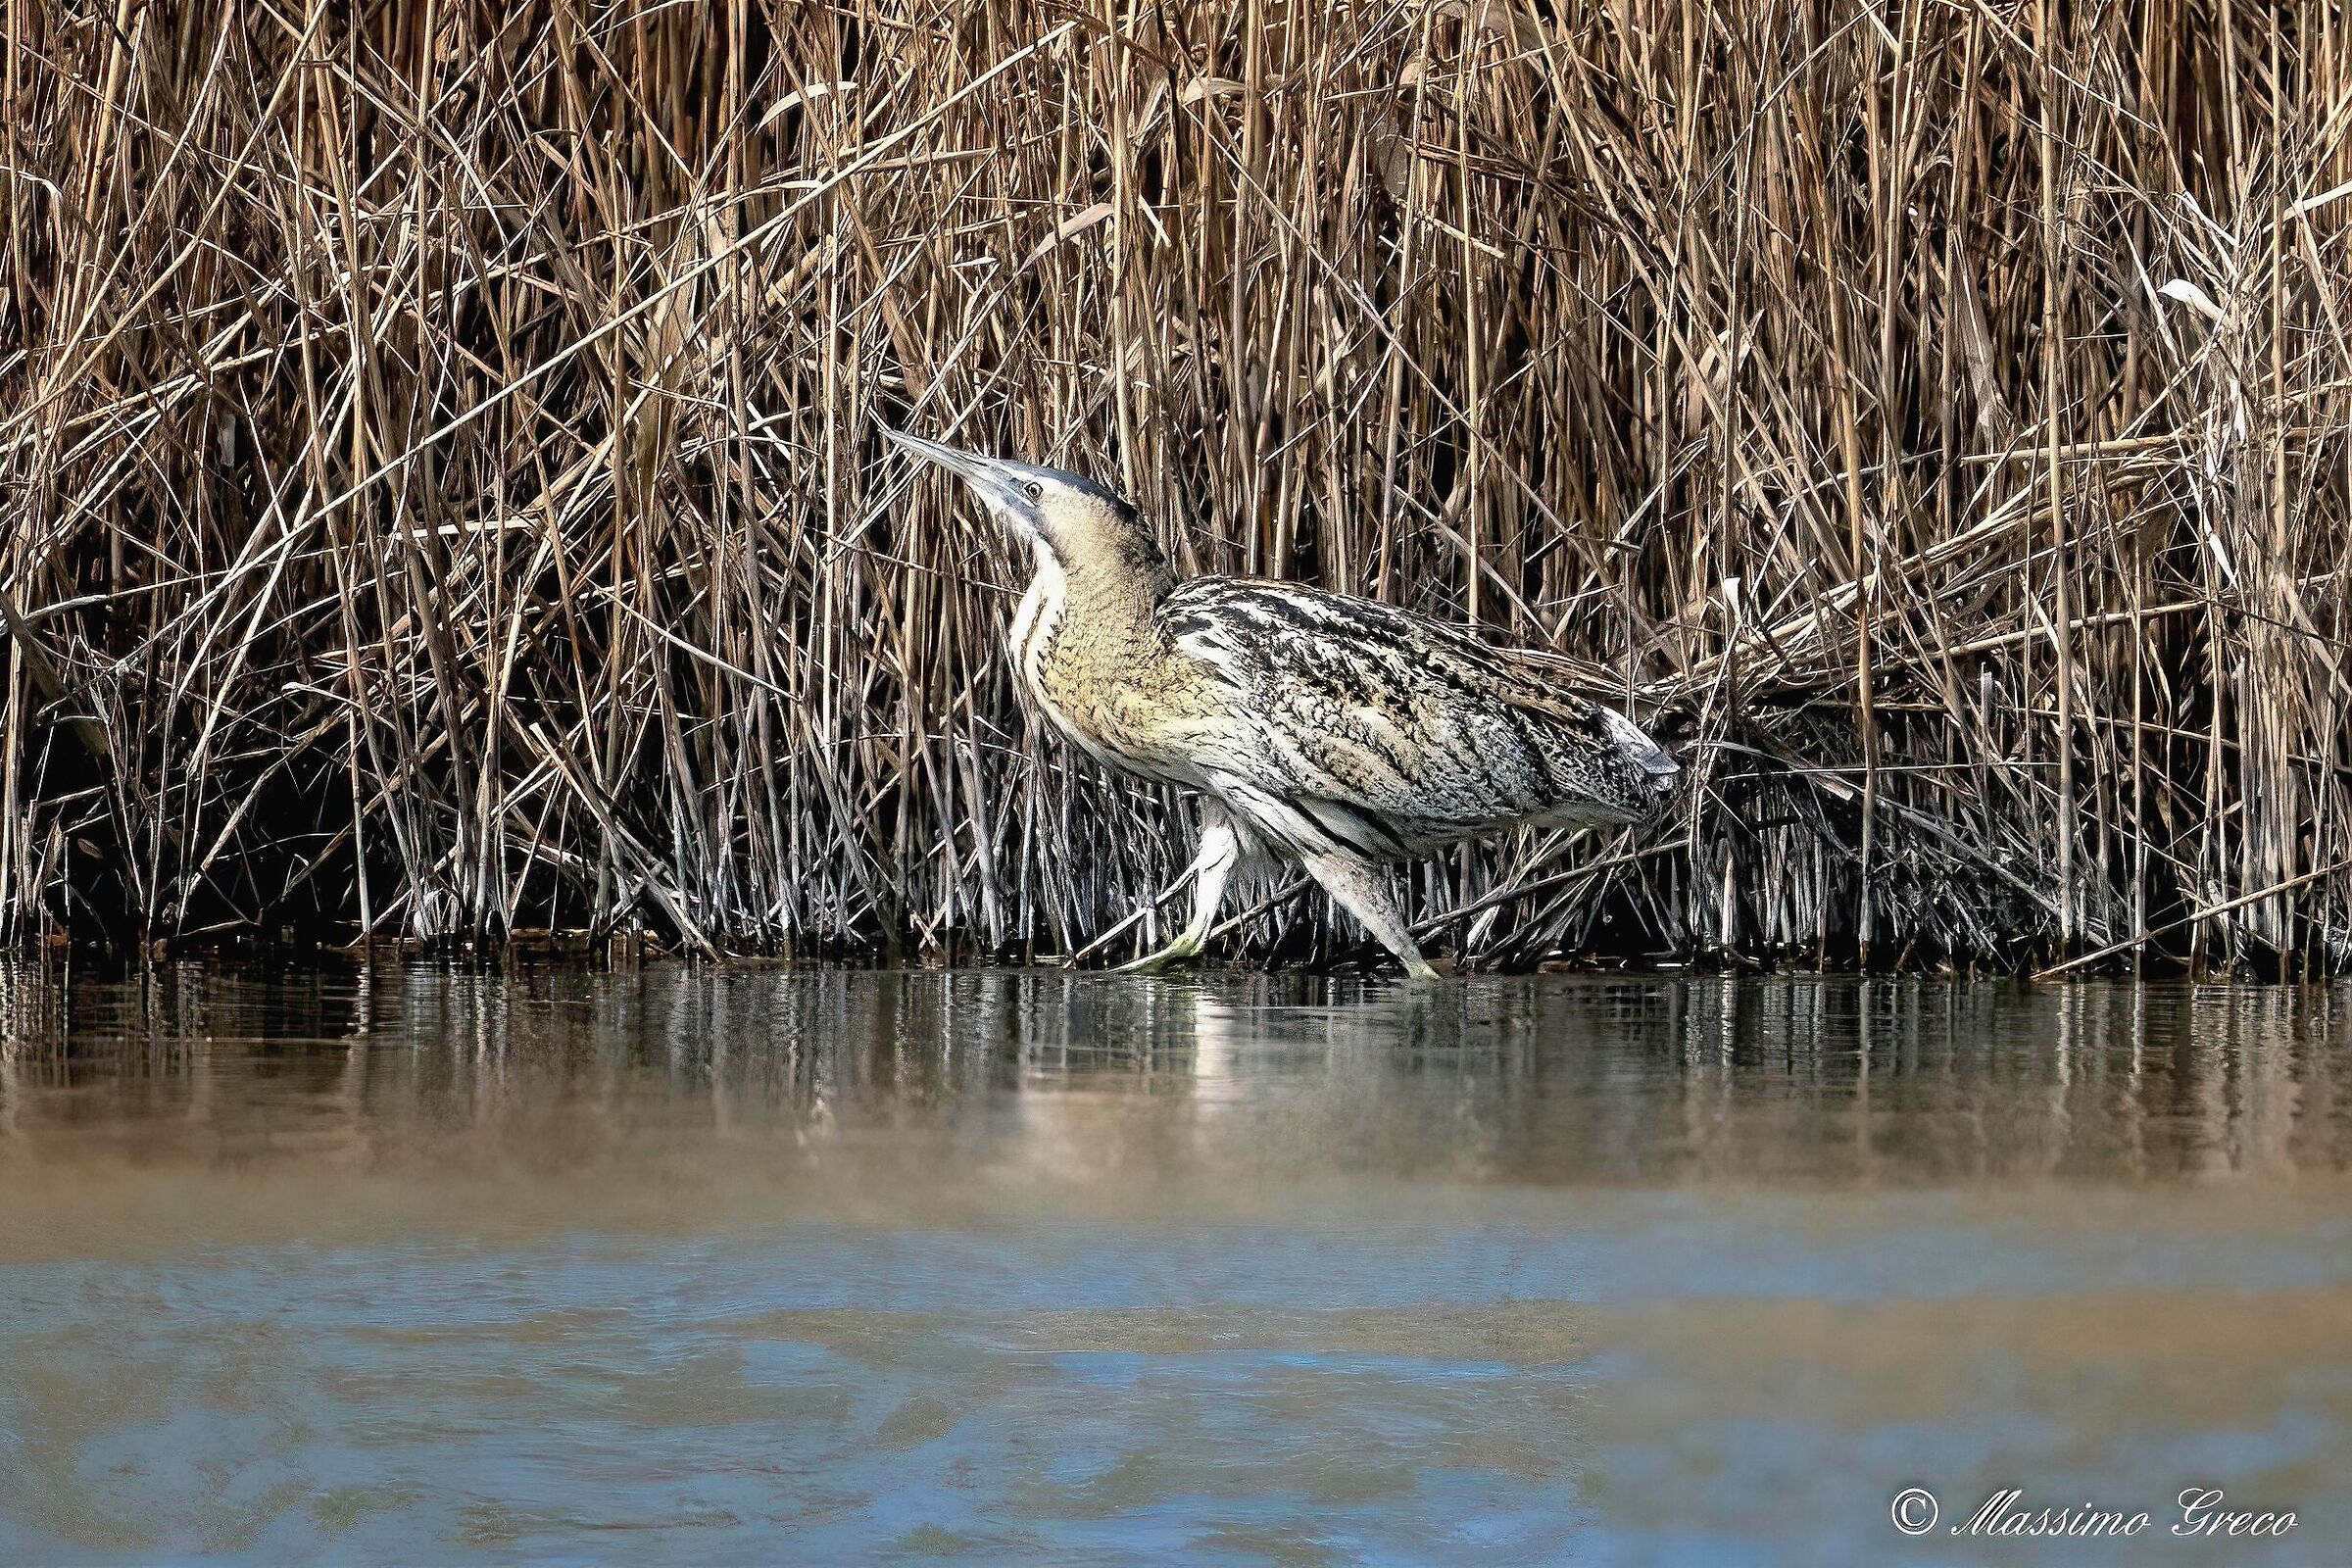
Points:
(1363, 892)
(1221, 852)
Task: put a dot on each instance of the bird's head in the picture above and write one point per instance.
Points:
(1064, 519)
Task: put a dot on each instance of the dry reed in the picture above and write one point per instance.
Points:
(440, 496)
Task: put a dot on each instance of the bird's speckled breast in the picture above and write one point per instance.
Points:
(1104, 675)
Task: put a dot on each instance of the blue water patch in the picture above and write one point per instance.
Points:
(1194, 1393)
(1653, 1248)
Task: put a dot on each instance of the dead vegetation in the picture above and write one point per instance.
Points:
(441, 500)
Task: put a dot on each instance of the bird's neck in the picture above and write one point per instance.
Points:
(1082, 620)
(1110, 601)
(1101, 668)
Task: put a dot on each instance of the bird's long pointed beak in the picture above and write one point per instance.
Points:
(984, 474)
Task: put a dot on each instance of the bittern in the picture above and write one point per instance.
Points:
(1336, 732)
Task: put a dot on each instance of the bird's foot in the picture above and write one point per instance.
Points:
(1175, 956)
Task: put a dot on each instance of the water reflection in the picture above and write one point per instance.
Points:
(1546, 1080)
(410, 1264)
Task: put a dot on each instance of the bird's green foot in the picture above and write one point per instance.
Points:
(1177, 954)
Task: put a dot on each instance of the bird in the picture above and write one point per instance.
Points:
(1336, 733)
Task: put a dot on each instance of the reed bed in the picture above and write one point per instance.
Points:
(441, 498)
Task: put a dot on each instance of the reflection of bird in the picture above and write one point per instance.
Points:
(1333, 731)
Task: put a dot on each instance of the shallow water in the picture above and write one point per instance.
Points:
(404, 1265)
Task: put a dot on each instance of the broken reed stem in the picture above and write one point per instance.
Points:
(440, 496)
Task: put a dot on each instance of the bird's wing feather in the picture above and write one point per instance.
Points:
(1385, 729)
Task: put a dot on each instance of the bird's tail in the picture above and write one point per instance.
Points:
(1644, 754)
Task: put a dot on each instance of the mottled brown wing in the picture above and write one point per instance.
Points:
(1391, 731)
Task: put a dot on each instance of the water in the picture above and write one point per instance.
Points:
(402, 1265)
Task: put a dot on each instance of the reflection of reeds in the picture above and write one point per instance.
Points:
(1885, 1081)
(440, 493)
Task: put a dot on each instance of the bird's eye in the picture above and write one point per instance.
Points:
(1034, 490)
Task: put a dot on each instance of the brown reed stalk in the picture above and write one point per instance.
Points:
(439, 498)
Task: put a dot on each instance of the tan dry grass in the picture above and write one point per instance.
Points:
(441, 498)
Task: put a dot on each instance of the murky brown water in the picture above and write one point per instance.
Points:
(403, 1265)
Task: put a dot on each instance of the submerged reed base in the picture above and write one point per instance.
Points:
(439, 495)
